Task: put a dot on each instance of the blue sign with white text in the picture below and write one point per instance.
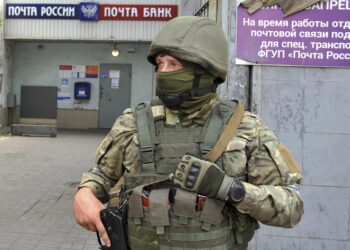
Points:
(42, 11)
(85, 11)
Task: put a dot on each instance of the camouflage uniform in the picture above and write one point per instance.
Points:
(271, 196)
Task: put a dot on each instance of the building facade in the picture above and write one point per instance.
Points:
(67, 45)
(304, 98)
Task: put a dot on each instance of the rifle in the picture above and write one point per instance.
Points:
(115, 221)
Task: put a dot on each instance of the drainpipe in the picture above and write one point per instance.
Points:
(238, 77)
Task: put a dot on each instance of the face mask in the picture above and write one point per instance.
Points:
(174, 89)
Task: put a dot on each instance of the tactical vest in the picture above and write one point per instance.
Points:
(179, 223)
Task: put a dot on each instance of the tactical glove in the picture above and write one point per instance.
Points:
(206, 178)
(255, 5)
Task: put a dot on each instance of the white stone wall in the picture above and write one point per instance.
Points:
(308, 110)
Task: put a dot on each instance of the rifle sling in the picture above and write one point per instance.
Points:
(226, 135)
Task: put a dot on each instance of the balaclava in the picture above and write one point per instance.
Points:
(187, 89)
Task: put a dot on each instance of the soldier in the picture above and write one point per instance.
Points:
(218, 201)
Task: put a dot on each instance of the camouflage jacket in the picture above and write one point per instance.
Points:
(271, 194)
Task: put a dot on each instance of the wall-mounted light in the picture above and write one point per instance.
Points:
(115, 51)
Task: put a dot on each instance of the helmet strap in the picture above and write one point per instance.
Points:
(198, 73)
(196, 91)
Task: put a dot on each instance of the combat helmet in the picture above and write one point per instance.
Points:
(193, 39)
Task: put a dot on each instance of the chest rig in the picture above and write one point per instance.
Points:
(162, 147)
(176, 224)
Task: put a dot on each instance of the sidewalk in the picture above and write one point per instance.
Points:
(38, 176)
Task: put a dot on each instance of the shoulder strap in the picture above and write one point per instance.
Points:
(216, 124)
(142, 113)
(226, 135)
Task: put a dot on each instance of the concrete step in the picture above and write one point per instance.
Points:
(34, 130)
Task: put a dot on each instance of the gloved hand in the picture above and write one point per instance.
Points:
(255, 5)
(206, 178)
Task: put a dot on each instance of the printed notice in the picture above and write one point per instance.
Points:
(65, 71)
(115, 83)
(63, 97)
(114, 74)
(78, 71)
(318, 36)
(91, 71)
(64, 83)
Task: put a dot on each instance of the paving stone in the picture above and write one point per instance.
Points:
(38, 178)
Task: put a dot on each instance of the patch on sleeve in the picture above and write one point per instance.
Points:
(286, 164)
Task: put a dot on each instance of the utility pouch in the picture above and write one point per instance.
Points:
(115, 221)
(137, 179)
